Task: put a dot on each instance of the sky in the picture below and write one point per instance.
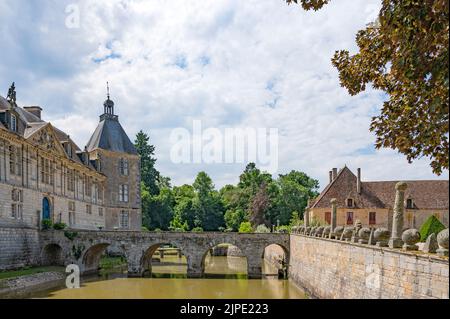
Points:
(222, 63)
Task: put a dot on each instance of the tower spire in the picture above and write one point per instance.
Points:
(108, 105)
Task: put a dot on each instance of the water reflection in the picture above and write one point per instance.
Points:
(225, 277)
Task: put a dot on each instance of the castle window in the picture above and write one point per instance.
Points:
(350, 202)
(71, 180)
(372, 218)
(88, 209)
(100, 192)
(45, 171)
(95, 194)
(123, 193)
(87, 186)
(17, 203)
(409, 203)
(100, 211)
(123, 166)
(12, 159)
(71, 213)
(13, 123)
(124, 219)
(349, 218)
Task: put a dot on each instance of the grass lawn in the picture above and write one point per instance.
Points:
(29, 271)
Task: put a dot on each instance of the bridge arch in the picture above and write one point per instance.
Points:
(277, 255)
(52, 255)
(235, 266)
(146, 265)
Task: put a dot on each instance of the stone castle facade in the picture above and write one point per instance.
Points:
(45, 175)
(371, 202)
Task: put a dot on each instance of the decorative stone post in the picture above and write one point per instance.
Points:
(397, 222)
(333, 216)
(306, 217)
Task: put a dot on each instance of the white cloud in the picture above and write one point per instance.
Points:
(227, 63)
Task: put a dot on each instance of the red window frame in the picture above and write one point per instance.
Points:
(328, 218)
(372, 218)
(349, 218)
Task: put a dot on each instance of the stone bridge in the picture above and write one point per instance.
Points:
(86, 248)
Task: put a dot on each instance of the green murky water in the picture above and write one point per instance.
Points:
(225, 278)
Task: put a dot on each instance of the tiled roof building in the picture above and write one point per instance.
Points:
(372, 201)
(45, 175)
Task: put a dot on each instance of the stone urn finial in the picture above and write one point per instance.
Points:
(410, 238)
(381, 237)
(363, 235)
(442, 239)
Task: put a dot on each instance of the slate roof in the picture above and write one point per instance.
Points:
(32, 124)
(426, 194)
(109, 135)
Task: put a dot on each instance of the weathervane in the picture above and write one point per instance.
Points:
(107, 89)
(11, 97)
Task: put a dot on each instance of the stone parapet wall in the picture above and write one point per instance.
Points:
(19, 247)
(328, 268)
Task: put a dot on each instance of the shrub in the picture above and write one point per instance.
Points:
(284, 229)
(197, 229)
(158, 230)
(59, 226)
(262, 229)
(143, 228)
(70, 234)
(46, 224)
(245, 227)
(431, 225)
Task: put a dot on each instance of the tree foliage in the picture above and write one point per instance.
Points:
(405, 54)
(431, 225)
(149, 175)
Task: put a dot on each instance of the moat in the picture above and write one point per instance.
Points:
(225, 277)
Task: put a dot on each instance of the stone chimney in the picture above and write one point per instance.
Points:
(358, 182)
(334, 173)
(330, 173)
(35, 110)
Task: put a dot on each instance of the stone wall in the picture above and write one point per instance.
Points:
(333, 269)
(19, 247)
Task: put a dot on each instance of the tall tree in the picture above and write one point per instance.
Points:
(146, 151)
(405, 54)
(208, 205)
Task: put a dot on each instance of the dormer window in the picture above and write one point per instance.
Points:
(13, 123)
(409, 203)
(350, 202)
(68, 148)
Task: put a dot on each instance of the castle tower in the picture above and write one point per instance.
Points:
(116, 157)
